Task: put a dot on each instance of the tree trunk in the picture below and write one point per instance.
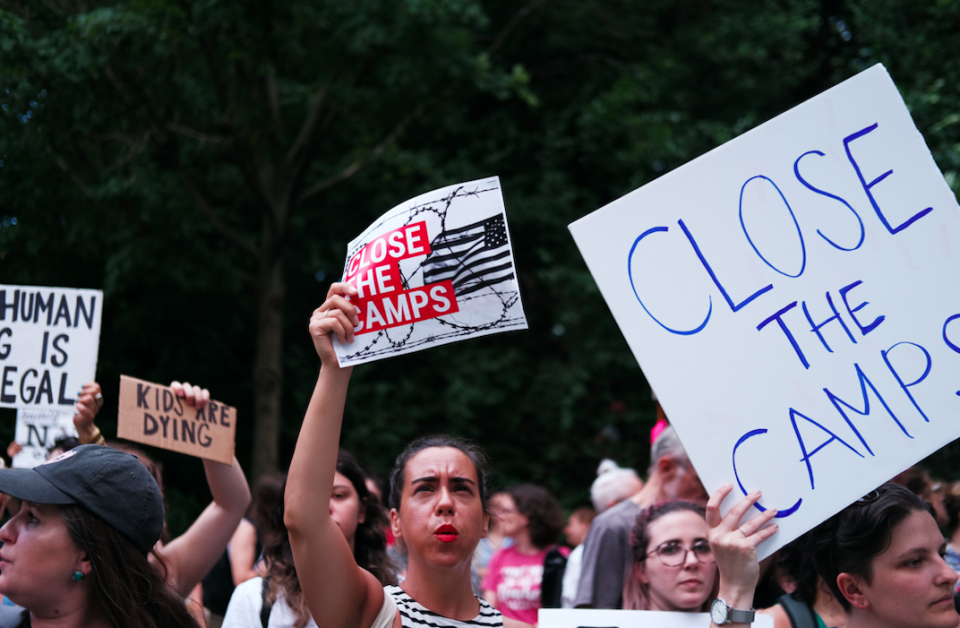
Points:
(267, 371)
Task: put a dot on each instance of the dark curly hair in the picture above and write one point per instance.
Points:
(850, 540)
(369, 548)
(794, 560)
(542, 510)
(469, 449)
(636, 596)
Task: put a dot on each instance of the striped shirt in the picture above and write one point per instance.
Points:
(414, 615)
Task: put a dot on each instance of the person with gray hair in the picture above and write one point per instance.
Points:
(613, 485)
(607, 554)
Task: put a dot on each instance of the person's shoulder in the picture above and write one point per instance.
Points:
(253, 586)
(488, 615)
(245, 604)
(11, 616)
(624, 513)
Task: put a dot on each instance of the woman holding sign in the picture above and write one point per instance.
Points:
(882, 558)
(186, 559)
(438, 497)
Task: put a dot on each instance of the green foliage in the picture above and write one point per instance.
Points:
(571, 103)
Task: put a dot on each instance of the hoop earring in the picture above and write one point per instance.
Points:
(77, 576)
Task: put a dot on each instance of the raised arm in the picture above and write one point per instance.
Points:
(335, 587)
(735, 547)
(191, 555)
(89, 402)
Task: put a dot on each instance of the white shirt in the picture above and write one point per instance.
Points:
(246, 603)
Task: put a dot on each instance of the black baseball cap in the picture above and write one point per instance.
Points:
(110, 483)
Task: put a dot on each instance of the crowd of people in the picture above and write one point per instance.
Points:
(326, 545)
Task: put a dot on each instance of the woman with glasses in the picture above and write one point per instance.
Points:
(882, 558)
(673, 565)
(690, 560)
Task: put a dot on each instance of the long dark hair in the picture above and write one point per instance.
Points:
(369, 545)
(469, 449)
(129, 590)
(543, 513)
(636, 593)
(850, 540)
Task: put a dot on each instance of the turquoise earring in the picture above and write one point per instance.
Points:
(77, 576)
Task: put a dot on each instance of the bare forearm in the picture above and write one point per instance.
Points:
(228, 487)
(315, 457)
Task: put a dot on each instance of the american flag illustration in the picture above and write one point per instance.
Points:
(473, 257)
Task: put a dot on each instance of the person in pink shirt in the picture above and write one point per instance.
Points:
(534, 519)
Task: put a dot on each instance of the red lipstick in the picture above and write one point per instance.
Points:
(446, 533)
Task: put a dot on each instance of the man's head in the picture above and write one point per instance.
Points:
(671, 466)
(613, 485)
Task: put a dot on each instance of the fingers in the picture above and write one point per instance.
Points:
(339, 303)
(341, 288)
(713, 506)
(740, 508)
(192, 395)
(751, 527)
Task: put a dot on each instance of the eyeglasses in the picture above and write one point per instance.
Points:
(673, 554)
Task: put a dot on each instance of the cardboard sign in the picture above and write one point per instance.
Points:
(37, 431)
(49, 338)
(434, 270)
(152, 414)
(791, 298)
(593, 618)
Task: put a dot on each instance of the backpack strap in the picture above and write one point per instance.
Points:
(265, 606)
(800, 614)
(551, 584)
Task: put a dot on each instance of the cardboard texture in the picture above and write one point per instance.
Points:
(791, 298)
(153, 415)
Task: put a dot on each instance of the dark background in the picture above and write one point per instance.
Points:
(109, 107)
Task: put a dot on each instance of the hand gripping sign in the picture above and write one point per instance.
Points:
(154, 415)
(49, 338)
(436, 269)
(792, 299)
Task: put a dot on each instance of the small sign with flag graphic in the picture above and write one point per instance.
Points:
(434, 270)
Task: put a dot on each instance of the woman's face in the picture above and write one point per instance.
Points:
(684, 587)
(911, 584)
(345, 507)
(512, 522)
(38, 558)
(441, 516)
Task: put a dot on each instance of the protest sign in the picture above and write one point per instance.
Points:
(37, 431)
(788, 297)
(593, 618)
(154, 415)
(49, 338)
(436, 269)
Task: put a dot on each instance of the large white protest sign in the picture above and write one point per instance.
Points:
(49, 338)
(792, 299)
(593, 618)
(37, 431)
(436, 269)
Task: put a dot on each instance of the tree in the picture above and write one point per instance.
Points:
(572, 103)
(251, 111)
